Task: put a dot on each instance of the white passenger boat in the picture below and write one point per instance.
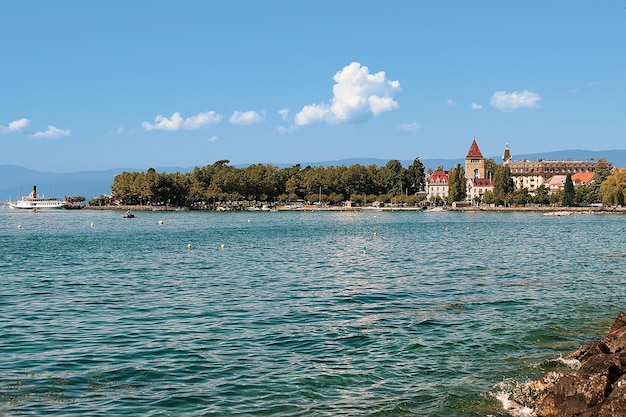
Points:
(35, 202)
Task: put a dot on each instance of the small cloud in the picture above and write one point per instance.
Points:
(504, 101)
(357, 96)
(450, 102)
(411, 128)
(286, 130)
(119, 130)
(18, 125)
(245, 118)
(592, 83)
(53, 132)
(176, 122)
(164, 123)
(15, 126)
(213, 139)
(476, 106)
(284, 113)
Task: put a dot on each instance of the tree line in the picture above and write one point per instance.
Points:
(219, 183)
(207, 186)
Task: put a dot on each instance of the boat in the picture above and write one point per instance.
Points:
(128, 215)
(35, 202)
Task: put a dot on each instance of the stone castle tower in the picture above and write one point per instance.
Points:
(474, 163)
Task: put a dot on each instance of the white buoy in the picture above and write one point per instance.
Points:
(222, 247)
(188, 245)
(161, 222)
(19, 225)
(91, 225)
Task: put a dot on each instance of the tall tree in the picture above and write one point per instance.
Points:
(394, 177)
(503, 185)
(457, 188)
(602, 171)
(567, 198)
(416, 178)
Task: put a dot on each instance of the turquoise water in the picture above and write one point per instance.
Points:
(299, 313)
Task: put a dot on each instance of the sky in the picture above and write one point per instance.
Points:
(94, 85)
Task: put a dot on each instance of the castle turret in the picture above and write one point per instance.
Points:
(506, 157)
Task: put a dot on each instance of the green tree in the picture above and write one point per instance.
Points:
(394, 174)
(416, 178)
(582, 196)
(521, 197)
(541, 195)
(457, 190)
(490, 167)
(602, 171)
(503, 185)
(488, 197)
(567, 198)
(613, 189)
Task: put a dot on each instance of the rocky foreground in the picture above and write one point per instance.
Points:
(597, 388)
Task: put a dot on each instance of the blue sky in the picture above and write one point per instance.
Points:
(91, 85)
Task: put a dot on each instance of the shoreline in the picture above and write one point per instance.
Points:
(544, 209)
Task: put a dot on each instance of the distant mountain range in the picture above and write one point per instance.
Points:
(16, 181)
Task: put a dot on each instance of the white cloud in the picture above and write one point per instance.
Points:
(176, 122)
(284, 113)
(213, 139)
(476, 106)
(163, 123)
(202, 119)
(245, 118)
(450, 102)
(286, 130)
(15, 126)
(357, 95)
(119, 130)
(504, 101)
(411, 128)
(53, 132)
(18, 125)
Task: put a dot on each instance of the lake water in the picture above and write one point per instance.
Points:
(296, 313)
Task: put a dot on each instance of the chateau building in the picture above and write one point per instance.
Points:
(475, 177)
(525, 173)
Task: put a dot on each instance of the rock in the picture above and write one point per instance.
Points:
(596, 389)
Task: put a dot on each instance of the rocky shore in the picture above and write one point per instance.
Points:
(596, 387)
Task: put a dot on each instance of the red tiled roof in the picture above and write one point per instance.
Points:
(474, 152)
(483, 182)
(440, 175)
(582, 177)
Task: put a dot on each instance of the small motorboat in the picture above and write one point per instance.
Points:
(128, 215)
